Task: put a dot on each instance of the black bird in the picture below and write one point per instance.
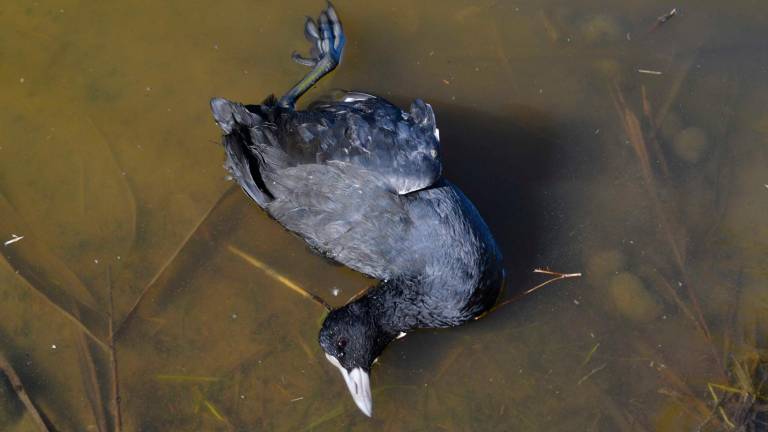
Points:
(360, 181)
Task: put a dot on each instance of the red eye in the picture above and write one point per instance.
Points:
(341, 343)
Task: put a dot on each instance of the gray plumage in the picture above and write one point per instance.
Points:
(359, 181)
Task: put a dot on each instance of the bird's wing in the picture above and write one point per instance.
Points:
(343, 211)
(402, 148)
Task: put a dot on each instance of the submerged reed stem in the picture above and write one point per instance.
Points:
(21, 392)
(278, 277)
(116, 412)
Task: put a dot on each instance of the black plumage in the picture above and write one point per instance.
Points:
(360, 181)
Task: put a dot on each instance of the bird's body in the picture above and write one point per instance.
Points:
(361, 182)
(341, 175)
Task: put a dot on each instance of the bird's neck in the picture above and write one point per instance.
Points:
(393, 305)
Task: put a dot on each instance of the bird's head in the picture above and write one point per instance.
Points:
(352, 340)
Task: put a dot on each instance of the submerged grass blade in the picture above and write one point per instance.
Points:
(590, 354)
(116, 412)
(50, 278)
(35, 262)
(667, 223)
(592, 372)
(330, 415)
(447, 361)
(724, 388)
(321, 318)
(675, 88)
(657, 151)
(91, 382)
(622, 421)
(166, 265)
(66, 313)
(278, 277)
(21, 392)
(128, 194)
(186, 378)
(341, 407)
(213, 410)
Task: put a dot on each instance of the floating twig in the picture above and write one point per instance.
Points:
(554, 273)
(14, 239)
(666, 17)
(650, 72)
(21, 392)
(556, 277)
(278, 277)
(663, 19)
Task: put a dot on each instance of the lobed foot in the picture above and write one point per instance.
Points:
(327, 38)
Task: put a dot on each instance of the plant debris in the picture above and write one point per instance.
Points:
(14, 238)
(21, 392)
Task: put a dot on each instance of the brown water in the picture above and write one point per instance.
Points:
(592, 139)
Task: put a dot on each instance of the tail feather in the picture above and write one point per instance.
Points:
(244, 168)
(243, 158)
(229, 115)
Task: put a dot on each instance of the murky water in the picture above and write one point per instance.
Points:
(592, 138)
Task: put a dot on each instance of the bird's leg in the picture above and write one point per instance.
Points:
(327, 38)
